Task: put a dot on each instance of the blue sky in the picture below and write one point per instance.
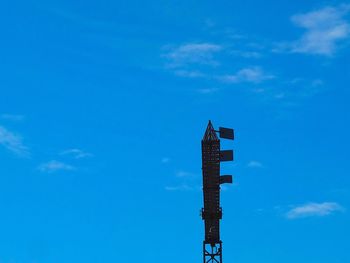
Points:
(103, 105)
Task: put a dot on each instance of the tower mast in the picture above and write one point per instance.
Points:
(212, 156)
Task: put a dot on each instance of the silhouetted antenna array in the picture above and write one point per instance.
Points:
(212, 212)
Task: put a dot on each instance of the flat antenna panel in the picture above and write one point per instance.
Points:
(226, 156)
(226, 133)
(226, 179)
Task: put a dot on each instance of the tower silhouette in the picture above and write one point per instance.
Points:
(211, 213)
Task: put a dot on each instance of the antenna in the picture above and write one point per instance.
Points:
(212, 212)
(226, 133)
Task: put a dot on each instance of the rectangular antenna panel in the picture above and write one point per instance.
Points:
(226, 133)
(226, 155)
(226, 179)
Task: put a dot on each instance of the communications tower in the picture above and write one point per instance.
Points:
(212, 156)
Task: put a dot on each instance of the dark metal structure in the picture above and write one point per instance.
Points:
(212, 212)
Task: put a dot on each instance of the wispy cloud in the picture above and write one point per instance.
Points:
(246, 54)
(182, 187)
(324, 29)
(209, 62)
(186, 182)
(12, 117)
(165, 160)
(255, 164)
(184, 174)
(189, 73)
(77, 153)
(289, 93)
(314, 209)
(55, 166)
(192, 53)
(207, 90)
(13, 142)
(251, 74)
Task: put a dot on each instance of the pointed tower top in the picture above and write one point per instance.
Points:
(210, 134)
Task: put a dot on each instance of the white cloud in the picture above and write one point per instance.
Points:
(183, 187)
(324, 29)
(255, 164)
(189, 74)
(77, 153)
(54, 166)
(252, 74)
(314, 209)
(207, 90)
(13, 142)
(193, 53)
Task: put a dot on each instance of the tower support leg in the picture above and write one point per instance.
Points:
(212, 253)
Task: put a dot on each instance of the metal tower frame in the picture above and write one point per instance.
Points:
(212, 212)
(212, 253)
